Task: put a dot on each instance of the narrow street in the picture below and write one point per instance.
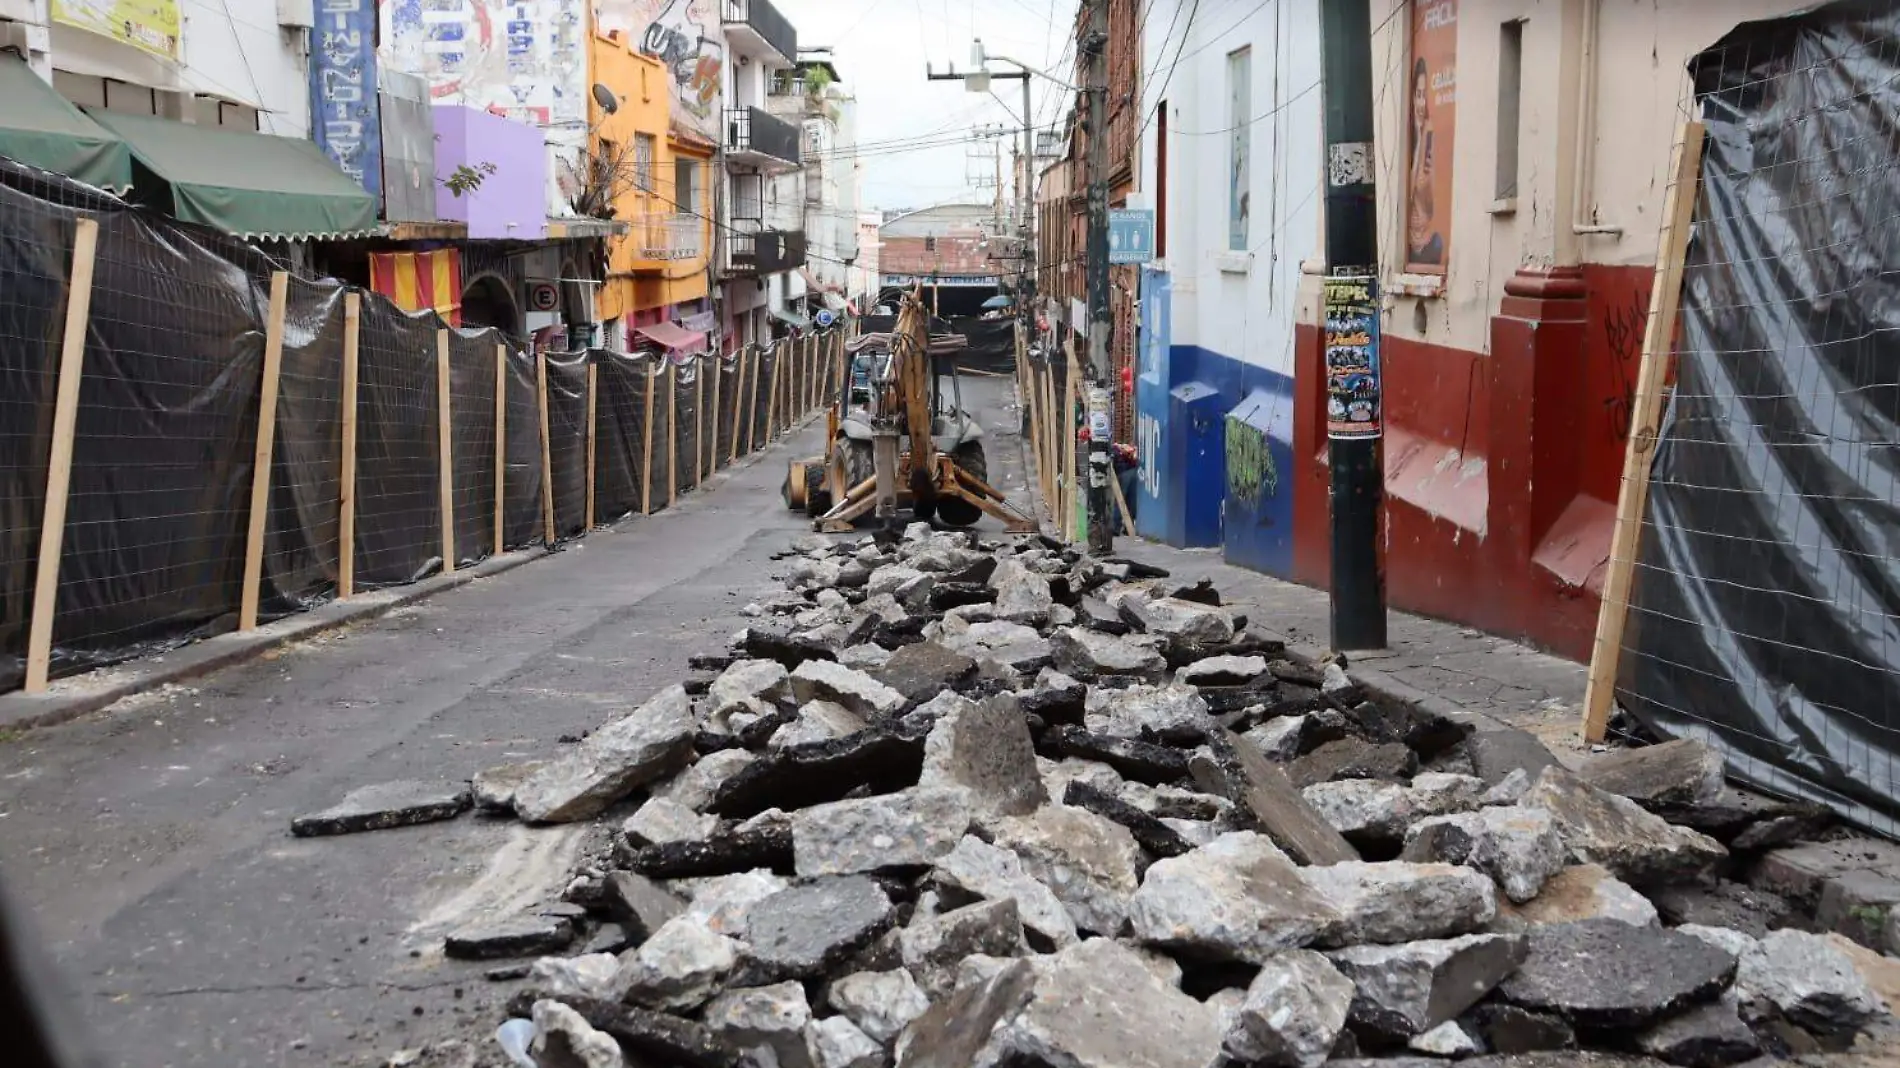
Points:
(151, 842)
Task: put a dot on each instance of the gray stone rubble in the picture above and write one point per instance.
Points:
(961, 804)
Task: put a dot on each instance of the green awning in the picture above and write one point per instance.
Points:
(790, 318)
(249, 184)
(40, 128)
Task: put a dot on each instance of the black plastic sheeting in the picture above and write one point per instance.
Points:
(567, 439)
(1767, 590)
(992, 345)
(620, 442)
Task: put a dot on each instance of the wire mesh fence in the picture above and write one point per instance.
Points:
(150, 421)
(1764, 592)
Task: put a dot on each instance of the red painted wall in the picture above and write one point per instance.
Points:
(1501, 467)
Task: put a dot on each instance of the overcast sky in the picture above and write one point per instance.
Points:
(881, 47)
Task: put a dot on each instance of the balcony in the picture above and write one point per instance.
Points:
(764, 252)
(755, 28)
(754, 138)
(663, 238)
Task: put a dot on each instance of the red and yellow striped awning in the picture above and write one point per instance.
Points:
(420, 281)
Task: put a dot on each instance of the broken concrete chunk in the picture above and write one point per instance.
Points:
(657, 1037)
(1232, 768)
(984, 749)
(1140, 761)
(766, 643)
(1599, 827)
(1022, 596)
(591, 975)
(643, 905)
(1509, 790)
(903, 830)
(1223, 671)
(522, 936)
(1091, 863)
(799, 776)
(817, 721)
(1448, 1039)
(1508, 1029)
(982, 870)
(694, 787)
(1708, 1036)
(1354, 758)
(1058, 774)
(1606, 974)
(954, 1032)
(802, 932)
(1518, 847)
(678, 968)
(749, 685)
(660, 821)
(1292, 1012)
(494, 788)
(723, 903)
(1682, 772)
(383, 806)
(1236, 899)
(563, 1037)
(1407, 990)
(1496, 753)
(1090, 653)
(838, 1043)
(1814, 984)
(1067, 1019)
(923, 670)
(817, 680)
(1401, 902)
(1172, 713)
(1586, 892)
(933, 946)
(1724, 904)
(1175, 802)
(772, 1017)
(720, 853)
(882, 1004)
(867, 658)
(653, 741)
(1181, 621)
(1280, 739)
(1013, 645)
(1369, 811)
(1151, 833)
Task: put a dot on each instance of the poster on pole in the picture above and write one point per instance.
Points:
(1432, 100)
(1352, 357)
(147, 25)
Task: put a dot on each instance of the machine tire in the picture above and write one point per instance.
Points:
(955, 511)
(817, 493)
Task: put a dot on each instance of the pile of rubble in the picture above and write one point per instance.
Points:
(953, 804)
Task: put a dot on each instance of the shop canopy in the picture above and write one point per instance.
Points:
(40, 128)
(790, 318)
(253, 185)
(675, 339)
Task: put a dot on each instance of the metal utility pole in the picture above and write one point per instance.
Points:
(1354, 393)
(1101, 467)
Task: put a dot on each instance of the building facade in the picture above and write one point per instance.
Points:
(951, 250)
(761, 220)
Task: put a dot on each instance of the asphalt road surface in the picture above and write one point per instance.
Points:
(150, 842)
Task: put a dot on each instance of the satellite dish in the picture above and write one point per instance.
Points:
(605, 97)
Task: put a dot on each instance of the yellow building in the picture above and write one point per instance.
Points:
(658, 178)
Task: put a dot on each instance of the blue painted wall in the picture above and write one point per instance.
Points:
(1256, 527)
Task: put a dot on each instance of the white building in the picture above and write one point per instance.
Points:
(762, 217)
(821, 197)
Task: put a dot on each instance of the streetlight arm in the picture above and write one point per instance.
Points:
(1038, 73)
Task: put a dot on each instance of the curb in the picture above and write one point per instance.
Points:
(78, 695)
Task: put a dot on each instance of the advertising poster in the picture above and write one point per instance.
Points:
(1432, 92)
(524, 60)
(345, 110)
(147, 25)
(1352, 357)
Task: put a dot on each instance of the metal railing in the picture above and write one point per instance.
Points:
(669, 237)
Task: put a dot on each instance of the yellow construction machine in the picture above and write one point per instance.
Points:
(899, 438)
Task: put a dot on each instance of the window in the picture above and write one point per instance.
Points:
(930, 244)
(643, 162)
(1510, 91)
(1239, 146)
(686, 186)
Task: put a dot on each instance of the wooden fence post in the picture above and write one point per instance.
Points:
(547, 449)
(1645, 424)
(646, 450)
(752, 402)
(445, 437)
(738, 399)
(699, 423)
(346, 478)
(718, 376)
(771, 398)
(59, 467)
(501, 449)
(593, 425)
(261, 455)
(672, 431)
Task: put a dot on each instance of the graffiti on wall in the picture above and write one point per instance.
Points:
(1251, 474)
(1625, 318)
(520, 59)
(685, 35)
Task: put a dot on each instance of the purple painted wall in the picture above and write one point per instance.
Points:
(510, 202)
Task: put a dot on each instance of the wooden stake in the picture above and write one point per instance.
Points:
(717, 365)
(501, 449)
(445, 436)
(261, 455)
(752, 402)
(738, 398)
(672, 431)
(699, 423)
(547, 450)
(346, 478)
(59, 467)
(771, 397)
(1645, 420)
(646, 448)
(593, 427)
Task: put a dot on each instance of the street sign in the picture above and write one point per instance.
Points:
(824, 317)
(1131, 236)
